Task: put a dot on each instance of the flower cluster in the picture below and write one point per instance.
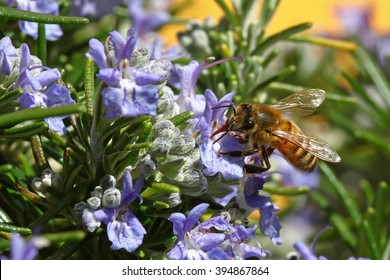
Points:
(40, 84)
(213, 239)
(109, 205)
(133, 79)
(48, 180)
(150, 122)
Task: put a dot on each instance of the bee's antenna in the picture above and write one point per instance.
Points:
(226, 106)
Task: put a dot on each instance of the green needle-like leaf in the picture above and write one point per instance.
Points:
(12, 228)
(375, 74)
(282, 35)
(286, 191)
(38, 113)
(181, 118)
(346, 233)
(24, 131)
(16, 14)
(89, 85)
(326, 42)
(342, 193)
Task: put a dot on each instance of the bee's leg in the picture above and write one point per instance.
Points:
(243, 153)
(265, 165)
(243, 138)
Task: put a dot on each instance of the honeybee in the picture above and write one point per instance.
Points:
(265, 128)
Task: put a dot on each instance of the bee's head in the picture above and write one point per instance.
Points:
(239, 121)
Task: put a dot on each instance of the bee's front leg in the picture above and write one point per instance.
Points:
(265, 164)
(243, 138)
(244, 153)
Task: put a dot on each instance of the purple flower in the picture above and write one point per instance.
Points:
(214, 238)
(188, 77)
(93, 8)
(124, 230)
(144, 21)
(7, 56)
(25, 250)
(131, 91)
(50, 7)
(357, 23)
(214, 162)
(269, 222)
(40, 89)
(308, 253)
(192, 243)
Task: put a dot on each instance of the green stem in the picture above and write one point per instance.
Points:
(346, 199)
(41, 42)
(38, 113)
(16, 14)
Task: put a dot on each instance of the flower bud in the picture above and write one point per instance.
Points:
(107, 181)
(56, 180)
(193, 183)
(173, 199)
(94, 202)
(46, 182)
(36, 184)
(171, 167)
(79, 208)
(201, 40)
(162, 67)
(97, 192)
(160, 147)
(111, 198)
(47, 173)
(166, 102)
(146, 165)
(110, 51)
(182, 145)
(89, 221)
(165, 129)
(139, 57)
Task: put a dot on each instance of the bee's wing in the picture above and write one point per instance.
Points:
(310, 144)
(301, 103)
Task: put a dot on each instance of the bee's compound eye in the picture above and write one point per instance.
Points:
(249, 124)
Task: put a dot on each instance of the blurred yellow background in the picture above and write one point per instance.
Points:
(320, 12)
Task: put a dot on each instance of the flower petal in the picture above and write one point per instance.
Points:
(119, 43)
(178, 252)
(128, 233)
(96, 51)
(304, 251)
(269, 224)
(194, 215)
(209, 241)
(106, 215)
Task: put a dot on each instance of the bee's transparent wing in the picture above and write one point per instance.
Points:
(301, 103)
(314, 146)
